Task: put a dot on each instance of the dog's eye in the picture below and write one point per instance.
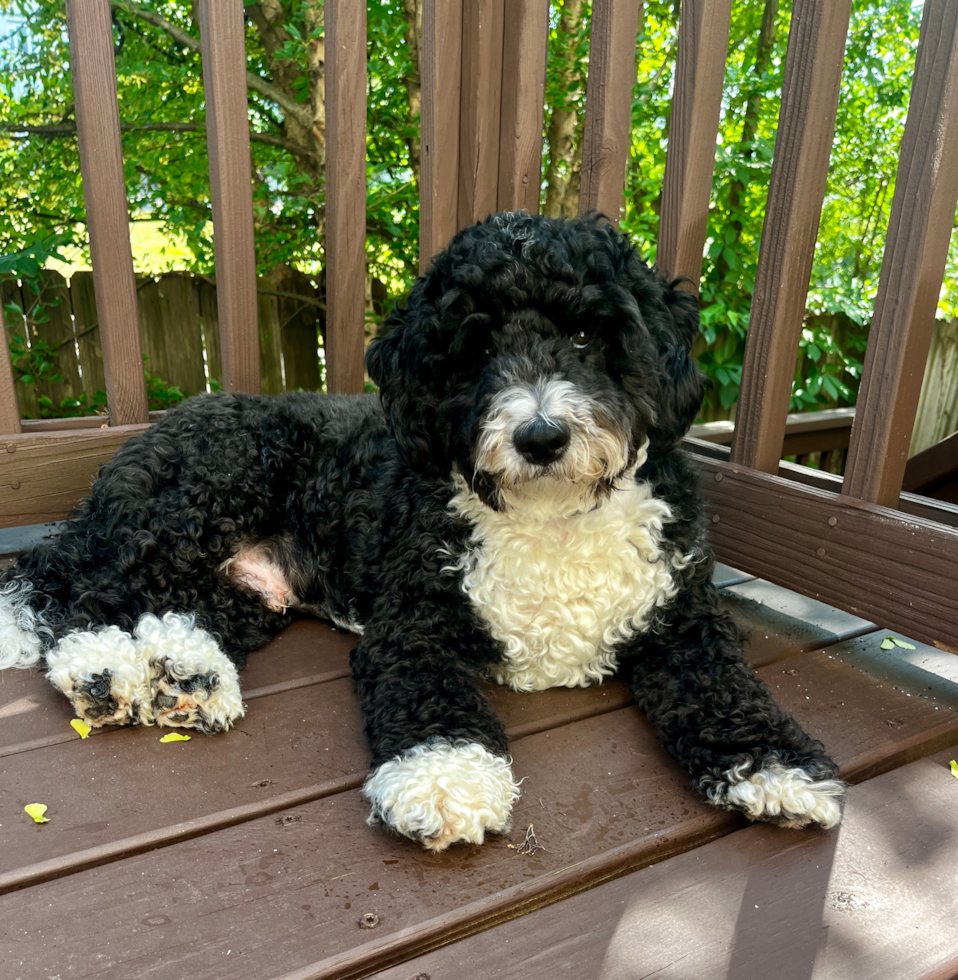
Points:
(581, 339)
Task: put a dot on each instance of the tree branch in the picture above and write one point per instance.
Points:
(253, 81)
(68, 129)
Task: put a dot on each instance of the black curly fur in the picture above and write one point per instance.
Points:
(353, 497)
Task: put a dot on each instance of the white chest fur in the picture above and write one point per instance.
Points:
(561, 594)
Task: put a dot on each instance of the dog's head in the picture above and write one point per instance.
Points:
(538, 356)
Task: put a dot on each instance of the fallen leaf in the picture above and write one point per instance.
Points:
(81, 727)
(175, 737)
(954, 768)
(903, 644)
(37, 811)
(888, 643)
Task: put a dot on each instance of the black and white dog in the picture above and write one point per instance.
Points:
(515, 507)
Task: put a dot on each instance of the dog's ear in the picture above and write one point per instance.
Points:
(683, 384)
(398, 363)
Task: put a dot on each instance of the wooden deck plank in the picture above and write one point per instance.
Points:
(873, 900)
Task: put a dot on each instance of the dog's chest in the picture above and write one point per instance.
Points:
(561, 595)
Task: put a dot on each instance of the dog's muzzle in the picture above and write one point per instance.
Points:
(542, 441)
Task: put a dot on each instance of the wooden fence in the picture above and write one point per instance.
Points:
(844, 540)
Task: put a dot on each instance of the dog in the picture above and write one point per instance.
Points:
(514, 505)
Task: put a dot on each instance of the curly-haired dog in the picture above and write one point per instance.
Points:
(515, 506)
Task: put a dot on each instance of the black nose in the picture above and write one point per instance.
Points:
(542, 441)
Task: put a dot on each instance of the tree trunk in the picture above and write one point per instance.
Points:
(564, 132)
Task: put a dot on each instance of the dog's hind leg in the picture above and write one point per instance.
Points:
(441, 772)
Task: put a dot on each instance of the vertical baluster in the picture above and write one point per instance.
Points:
(227, 136)
(806, 126)
(608, 105)
(696, 102)
(441, 71)
(345, 195)
(108, 222)
(919, 230)
(525, 48)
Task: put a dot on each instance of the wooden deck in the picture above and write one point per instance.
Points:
(247, 855)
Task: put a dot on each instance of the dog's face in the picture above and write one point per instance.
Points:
(540, 359)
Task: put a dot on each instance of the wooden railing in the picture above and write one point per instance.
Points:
(857, 541)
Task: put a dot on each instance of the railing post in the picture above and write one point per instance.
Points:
(345, 195)
(227, 135)
(104, 191)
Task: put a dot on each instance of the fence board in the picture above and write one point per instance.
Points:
(170, 326)
(806, 126)
(227, 135)
(270, 345)
(87, 332)
(608, 105)
(441, 71)
(699, 74)
(210, 327)
(10, 292)
(299, 330)
(919, 229)
(524, 52)
(9, 409)
(104, 191)
(479, 119)
(55, 329)
(346, 195)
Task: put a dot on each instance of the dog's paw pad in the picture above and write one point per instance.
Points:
(106, 680)
(441, 793)
(789, 797)
(194, 684)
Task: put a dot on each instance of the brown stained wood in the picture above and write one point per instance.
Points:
(86, 325)
(806, 125)
(479, 113)
(872, 561)
(104, 191)
(919, 230)
(9, 409)
(44, 475)
(608, 112)
(933, 466)
(345, 195)
(524, 52)
(231, 190)
(870, 901)
(441, 71)
(170, 328)
(697, 99)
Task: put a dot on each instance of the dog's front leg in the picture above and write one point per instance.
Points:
(723, 723)
(440, 772)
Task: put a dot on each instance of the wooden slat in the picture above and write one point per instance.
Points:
(45, 474)
(525, 47)
(104, 191)
(345, 195)
(9, 410)
(919, 230)
(608, 105)
(227, 135)
(932, 466)
(441, 71)
(480, 98)
(699, 76)
(806, 125)
(871, 901)
(865, 559)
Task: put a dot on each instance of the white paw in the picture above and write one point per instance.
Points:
(787, 797)
(441, 793)
(194, 684)
(21, 627)
(104, 676)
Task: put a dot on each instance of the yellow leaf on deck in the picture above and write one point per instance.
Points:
(81, 727)
(954, 768)
(37, 811)
(175, 737)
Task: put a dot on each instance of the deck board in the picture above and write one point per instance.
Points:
(247, 854)
(874, 900)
